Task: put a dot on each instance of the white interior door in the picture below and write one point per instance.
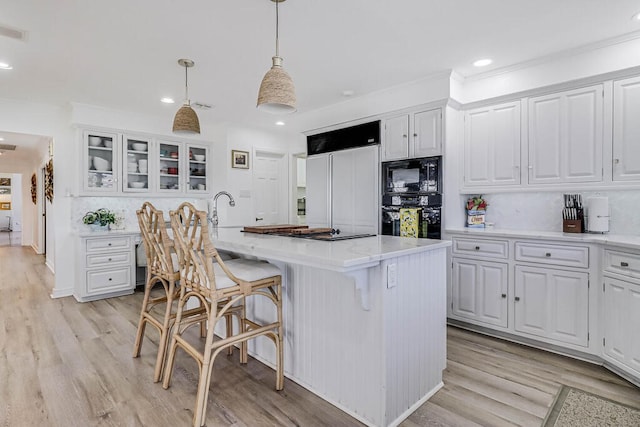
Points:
(270, 188)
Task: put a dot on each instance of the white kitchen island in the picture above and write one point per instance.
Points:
(365, 319)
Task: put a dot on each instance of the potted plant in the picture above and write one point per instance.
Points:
(100, 218)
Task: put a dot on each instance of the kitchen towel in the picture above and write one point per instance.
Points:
(598, 213)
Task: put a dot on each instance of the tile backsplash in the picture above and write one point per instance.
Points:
(125, 206)
(542, 211)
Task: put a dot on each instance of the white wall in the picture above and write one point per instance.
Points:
(46, 120)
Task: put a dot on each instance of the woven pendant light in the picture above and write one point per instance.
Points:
(186, 120)
(277, 93)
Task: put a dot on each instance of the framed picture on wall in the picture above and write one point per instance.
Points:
(239, 159)
(5, 206)
(5, 182)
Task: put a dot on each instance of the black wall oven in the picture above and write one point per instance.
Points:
(415, 183)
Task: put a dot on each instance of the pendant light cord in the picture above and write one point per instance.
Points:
(186, 85)
(277, 26)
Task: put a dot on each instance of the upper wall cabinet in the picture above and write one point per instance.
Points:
(492, 145)
(566, 137)
(136, 179)
(413, 135)
(100, 165)
(626, 130)
(121, 163)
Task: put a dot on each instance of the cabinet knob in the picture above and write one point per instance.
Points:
(616, 161)
(110, 279)
(415, 135)
(109, 259)
(477, 248)
(517, 298)
(259, 219)
(109, 244)
(548, 254)
(404, 135)
(624, 264)
(504, 295)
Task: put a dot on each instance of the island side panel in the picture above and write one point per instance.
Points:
(333, 347)
(415, 331)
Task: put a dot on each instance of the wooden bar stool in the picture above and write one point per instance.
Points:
(204, 275)
(162, 271)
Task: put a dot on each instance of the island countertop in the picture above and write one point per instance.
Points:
(341, 255)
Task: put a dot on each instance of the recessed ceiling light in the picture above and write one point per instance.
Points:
(167, 100)
(482, 62)
(4, 66)
(348, 92)
(280, 123)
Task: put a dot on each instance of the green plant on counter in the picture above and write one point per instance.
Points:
(101, 217)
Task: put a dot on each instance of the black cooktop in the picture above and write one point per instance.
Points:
(327, 237)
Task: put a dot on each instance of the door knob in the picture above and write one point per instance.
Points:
(259, 219)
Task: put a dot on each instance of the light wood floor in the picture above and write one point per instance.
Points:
(63, 363)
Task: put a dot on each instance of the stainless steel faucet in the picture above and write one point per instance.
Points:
(213, 215)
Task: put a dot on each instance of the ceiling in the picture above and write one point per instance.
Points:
(123, 54)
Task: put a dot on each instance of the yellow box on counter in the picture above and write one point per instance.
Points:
(410, 222)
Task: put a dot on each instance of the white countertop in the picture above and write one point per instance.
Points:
(107, 233)
(631, 242)
(342, 255)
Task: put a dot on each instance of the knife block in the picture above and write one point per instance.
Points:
(572, 226)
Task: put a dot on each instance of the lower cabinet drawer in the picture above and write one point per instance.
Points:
(101, 282)
(624, 263)
(102, 243)
(102, 260)
(482, 247)
(570, 256)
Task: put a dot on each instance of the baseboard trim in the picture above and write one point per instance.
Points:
(61, 293)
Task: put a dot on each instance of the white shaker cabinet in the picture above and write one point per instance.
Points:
(565, 136)
(106, 266)
(414, 135)
(552, 304)
(621, 309)
(479, 291)
(492, 145)
(626, 130)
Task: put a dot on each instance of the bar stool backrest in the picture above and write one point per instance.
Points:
(157, 244)
(197, 254)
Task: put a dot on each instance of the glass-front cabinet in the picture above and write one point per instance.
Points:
(170, 172)
(101, 162)
(197, 176)
(128, 163)
(137, 177)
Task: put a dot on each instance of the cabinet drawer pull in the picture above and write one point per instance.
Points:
(504, 295)
(624, 264)
(548, 254)
(477, 248)
(517, 298)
